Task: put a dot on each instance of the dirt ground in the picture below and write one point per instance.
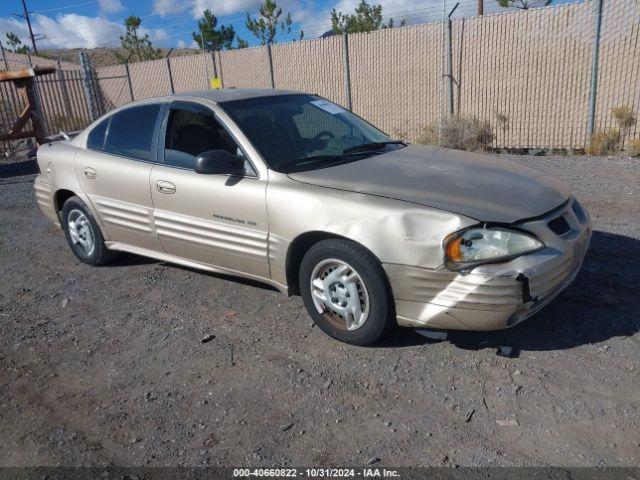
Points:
(102, 366)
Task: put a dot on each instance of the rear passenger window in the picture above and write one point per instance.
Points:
(95, 140)
(130, 132)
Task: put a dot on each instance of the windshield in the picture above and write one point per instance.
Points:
(303, 132)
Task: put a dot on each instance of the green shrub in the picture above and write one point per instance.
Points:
(462, 133)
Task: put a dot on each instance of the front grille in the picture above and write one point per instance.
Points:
(559, 226)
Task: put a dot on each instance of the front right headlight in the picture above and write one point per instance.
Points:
(475, 246)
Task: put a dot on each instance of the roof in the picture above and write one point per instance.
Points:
(229, 94)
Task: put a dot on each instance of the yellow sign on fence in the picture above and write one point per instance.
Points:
(216, 83)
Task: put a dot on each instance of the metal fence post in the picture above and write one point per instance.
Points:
(126, 69)
(170, 74)
(89, 90)
(215, 67)
(65, 92)
(273, 83)
(450, 110)
(593, 89)
(459, 79)
(347, 71)
(4, 57)
(221, 77)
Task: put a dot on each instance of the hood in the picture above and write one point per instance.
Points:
(484, 187)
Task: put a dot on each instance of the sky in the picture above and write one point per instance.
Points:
(169, 23)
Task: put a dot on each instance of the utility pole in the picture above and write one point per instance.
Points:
(25, 15)
(480, 8)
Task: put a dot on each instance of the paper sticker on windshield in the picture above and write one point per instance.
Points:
(332, 108)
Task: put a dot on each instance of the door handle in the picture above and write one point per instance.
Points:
(90, 172)
(165, 187)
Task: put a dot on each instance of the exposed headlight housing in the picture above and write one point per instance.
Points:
(478, 245)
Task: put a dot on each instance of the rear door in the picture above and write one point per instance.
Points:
(217, 220)
(114, 172)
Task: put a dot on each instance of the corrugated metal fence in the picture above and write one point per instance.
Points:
(527, 73)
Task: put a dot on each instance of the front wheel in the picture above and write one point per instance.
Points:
(345, 290)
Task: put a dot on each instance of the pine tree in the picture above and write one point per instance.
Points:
(265, 27)
(366, 18)
(139, 48)
(212, 39)
(16, 45)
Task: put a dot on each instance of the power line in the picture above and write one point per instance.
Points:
(65, 7)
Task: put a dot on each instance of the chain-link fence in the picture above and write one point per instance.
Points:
(530, 74)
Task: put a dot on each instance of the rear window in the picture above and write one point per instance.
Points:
(128, 133)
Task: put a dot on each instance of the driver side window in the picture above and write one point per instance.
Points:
(190, 133)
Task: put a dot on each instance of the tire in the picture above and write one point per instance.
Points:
(331, 264)
(83, 234)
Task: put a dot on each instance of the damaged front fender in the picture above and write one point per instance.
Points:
(394, 231)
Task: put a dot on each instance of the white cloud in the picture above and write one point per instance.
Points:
(156, 34)
(197, 7)
(167, 6)
(73, 31)
(110, 6)
(66, 31)
(225, 7)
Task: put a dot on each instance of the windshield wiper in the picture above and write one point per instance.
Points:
(309, 159)
(372, 146)
(337, 158)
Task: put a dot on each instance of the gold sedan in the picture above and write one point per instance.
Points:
(295, 191)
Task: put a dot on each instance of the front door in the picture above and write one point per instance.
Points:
(218, 220)
(114, 173)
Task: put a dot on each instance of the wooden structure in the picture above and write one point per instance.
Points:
(23, 81)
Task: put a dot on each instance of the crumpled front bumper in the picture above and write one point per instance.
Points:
(493, 297)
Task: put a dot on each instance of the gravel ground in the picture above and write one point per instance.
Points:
(107, 365)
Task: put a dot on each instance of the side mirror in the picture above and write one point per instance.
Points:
(219, 162)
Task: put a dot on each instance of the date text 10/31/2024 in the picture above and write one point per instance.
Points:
(316, 472)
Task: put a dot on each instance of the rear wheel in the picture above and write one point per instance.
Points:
(83, 234)
(345, 291)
